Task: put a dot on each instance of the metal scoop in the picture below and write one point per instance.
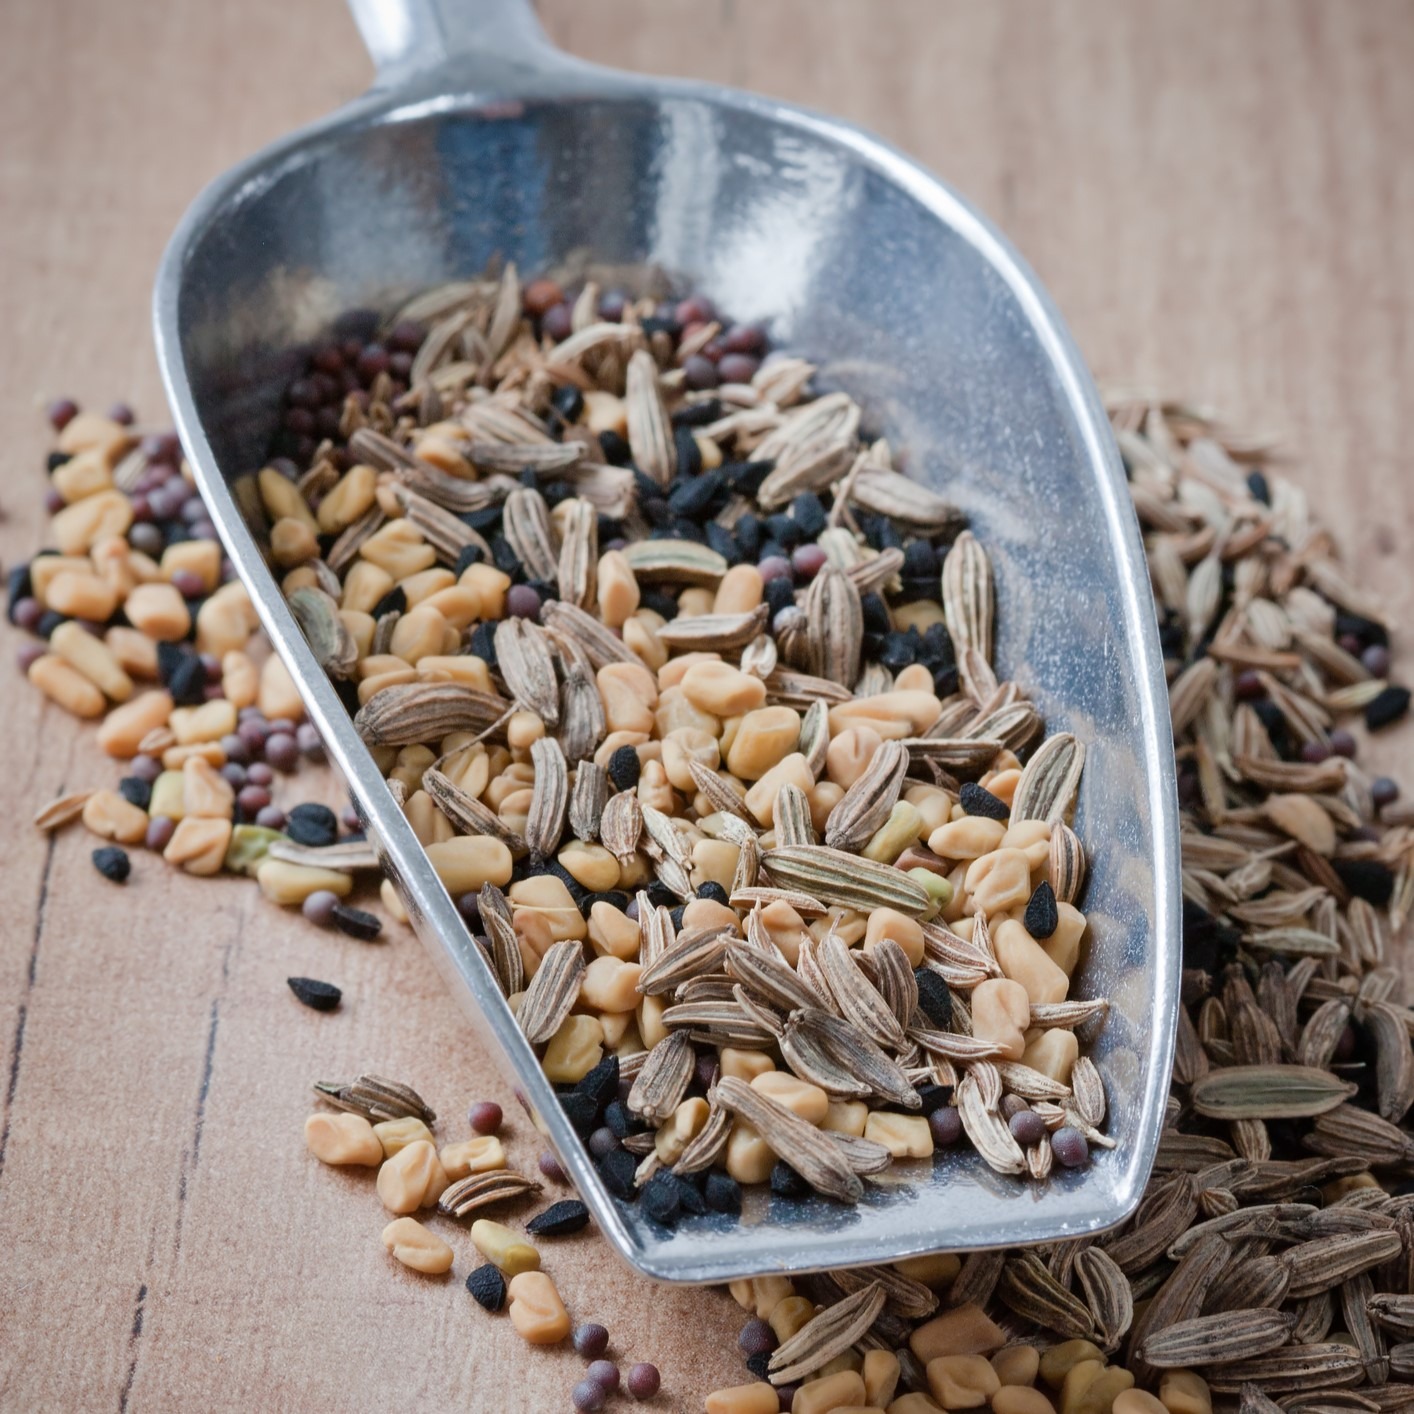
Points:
(479, 139)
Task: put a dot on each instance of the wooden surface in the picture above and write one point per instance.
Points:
(1219, 195)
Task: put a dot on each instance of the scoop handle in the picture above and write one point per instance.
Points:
(404, 37)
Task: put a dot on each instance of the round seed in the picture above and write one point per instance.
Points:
(588, 1396)
(945, 1125)
(1027, 1127)
(271, 818)
(485, 1117)
(604, 1373)
(319, 907)
(591, 1340)
(549, 1165)
(756, 1338)
(1384, 791)
(643, 1380)
(1069, 1147)
(160, 830)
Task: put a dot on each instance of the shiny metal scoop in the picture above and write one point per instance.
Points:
(478, 139)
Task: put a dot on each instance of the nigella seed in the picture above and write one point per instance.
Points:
(745, 478)
(660, 895)
(808, 512)
(712, 890)
(617, 1170)
(320, 996)
(689, 454)
(313, 825)
(723, 542)
(395, 601)
(356, 922)
(976, 800)
(876, 613)
(580, 1111)
(1368, 879)
(620, 1119)
(568, 401)
(722, 1192)
(1257, 485)
(135, 791)
(759, 1364)
(615, 448)
(933, 1097)
(660, 1199)
(113, 863)
(1042, 916)
(601, 1084)
(786, 1182)
(560, 1219)
(698, 414)
(689, 1195)
(780, 594)
(187, 684)
(1388, 707)
(483, 644)
(487, 1287)
(625, 768)
(676, 915)
(469, 555)
(934, 999)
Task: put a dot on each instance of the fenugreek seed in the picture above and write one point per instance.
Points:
(414, 1246)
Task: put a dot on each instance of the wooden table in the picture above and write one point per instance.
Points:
(1218, 194)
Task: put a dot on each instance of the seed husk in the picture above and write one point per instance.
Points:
(1218, 1340)
(826, 1335)
(553, 992)
(1269, 1092)
(808, 1151)
(480, 1190)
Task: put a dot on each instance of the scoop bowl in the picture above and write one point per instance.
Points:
(478, 139)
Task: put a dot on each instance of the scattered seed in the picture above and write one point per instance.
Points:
(320, 996)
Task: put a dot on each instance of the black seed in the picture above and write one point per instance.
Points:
(49, 620)
(625, 768)
(689, 1195)
(1208, 946)
(786, 529)
(560, 1219)
(17, 586)
(712, 890)
(661, 1200)
(113, 863)
(747, 531)
(723, 542)
(483, 643)
(676, 916)
(1042, 917)
(322, 996)
(661, 602)
(745, 478)
(312, 824)
(484, 522)
(934, 999)
(934, 1097)
(1367, 879)
(1368, 631)
(469, 555)
(615, 449)
(920, 561)
(135, 791)
(692, 498)
(568, 401)
(945, 681)
(56, 459)
(662, 324)
(507, 561)
(660, 895)
(1257, 485)
(1388, 707)
(876, 613)
(356, 922)
(581, 1112)
(617, 1170)
(615, 898)
(786, 1182)
(622, 1120)
(689, 453)
(684, 528)
(187, 680)
(977, 801)
(487, 1286)
(601, 1084)
(760, 1364)
(698, 414)
(938, 644)
(779, 595)
(897, 652)
(395, 601)
(722, 1192)
(808, 512)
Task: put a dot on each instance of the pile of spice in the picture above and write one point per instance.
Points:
(138, 624)
(689, 695)
(387, 1125)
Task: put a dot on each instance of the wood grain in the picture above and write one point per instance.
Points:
(1219, 196)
